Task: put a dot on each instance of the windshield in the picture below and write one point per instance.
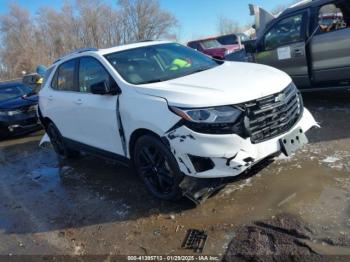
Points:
(159, 63)
(13, 91)
(210, 43)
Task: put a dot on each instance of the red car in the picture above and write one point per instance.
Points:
(212, 47)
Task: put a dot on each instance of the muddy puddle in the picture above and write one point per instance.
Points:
(90, 206)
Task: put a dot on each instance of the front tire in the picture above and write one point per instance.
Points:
(158, 168)
(58, 143)
(4, 135)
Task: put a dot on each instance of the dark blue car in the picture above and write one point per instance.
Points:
(18, 106)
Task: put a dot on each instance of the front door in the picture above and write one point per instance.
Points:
(283, 47)
(96, 115)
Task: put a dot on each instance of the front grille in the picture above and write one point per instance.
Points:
(273, 115)
(27, 109)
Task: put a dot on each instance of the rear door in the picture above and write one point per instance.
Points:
(59, 100)
(330, 47)
(283, 46)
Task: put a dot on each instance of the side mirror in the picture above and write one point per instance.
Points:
(100, 88)
(250, 46)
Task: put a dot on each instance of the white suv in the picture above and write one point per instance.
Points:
(172, 112)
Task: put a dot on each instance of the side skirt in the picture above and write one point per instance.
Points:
(97, 152)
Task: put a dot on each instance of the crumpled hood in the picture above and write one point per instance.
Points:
(228, 84)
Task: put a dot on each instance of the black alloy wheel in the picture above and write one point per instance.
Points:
(158, 169)
(58, 143)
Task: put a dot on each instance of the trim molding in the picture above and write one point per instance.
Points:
(97, 152)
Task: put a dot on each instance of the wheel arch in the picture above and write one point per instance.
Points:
(136, 135)
(46, 121)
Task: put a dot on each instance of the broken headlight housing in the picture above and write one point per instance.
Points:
(214, 120)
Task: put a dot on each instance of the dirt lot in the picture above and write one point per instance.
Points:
(91, 206)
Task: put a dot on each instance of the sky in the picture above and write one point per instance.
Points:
(196, 18)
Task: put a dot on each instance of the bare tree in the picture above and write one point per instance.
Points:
(27, 41)
(18, 41)
(229, 26)
(144, 20)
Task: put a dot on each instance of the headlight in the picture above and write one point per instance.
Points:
(216, 121)
(10, 112)
(215, 115)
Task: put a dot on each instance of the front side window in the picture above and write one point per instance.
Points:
(159, 63)
(286, 31)
(90, 72)
(332, 18)
(64, 77)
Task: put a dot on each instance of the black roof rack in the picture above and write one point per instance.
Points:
(78, 51)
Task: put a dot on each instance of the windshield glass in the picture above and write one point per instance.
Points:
(210, 43)
(159, 63)
(13, 91)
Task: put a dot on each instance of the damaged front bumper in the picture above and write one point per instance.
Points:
(220, 156)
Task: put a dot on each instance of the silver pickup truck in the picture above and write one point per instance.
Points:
(310, 41)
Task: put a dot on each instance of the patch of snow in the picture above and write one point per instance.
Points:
(330, 159)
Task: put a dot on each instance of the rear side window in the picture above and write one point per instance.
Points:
(64, 77)
(91, 72)
(228, 40)
(286, 31)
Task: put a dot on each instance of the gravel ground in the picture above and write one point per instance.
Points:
(93, 207)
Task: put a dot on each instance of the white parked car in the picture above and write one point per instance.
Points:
(172, 112)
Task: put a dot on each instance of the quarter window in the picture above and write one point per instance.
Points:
(286, 31)
(64, 77)
(90, 73)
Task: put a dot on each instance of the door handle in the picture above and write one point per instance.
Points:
(50, 98)
(298, 52)
(78, 101)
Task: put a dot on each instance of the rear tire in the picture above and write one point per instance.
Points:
(158, 168)
(58, 143)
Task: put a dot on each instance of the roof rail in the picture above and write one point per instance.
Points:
(78, 51)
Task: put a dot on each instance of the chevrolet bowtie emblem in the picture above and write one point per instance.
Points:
(280, 98)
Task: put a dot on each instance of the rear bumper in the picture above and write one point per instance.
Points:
(227, 155)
